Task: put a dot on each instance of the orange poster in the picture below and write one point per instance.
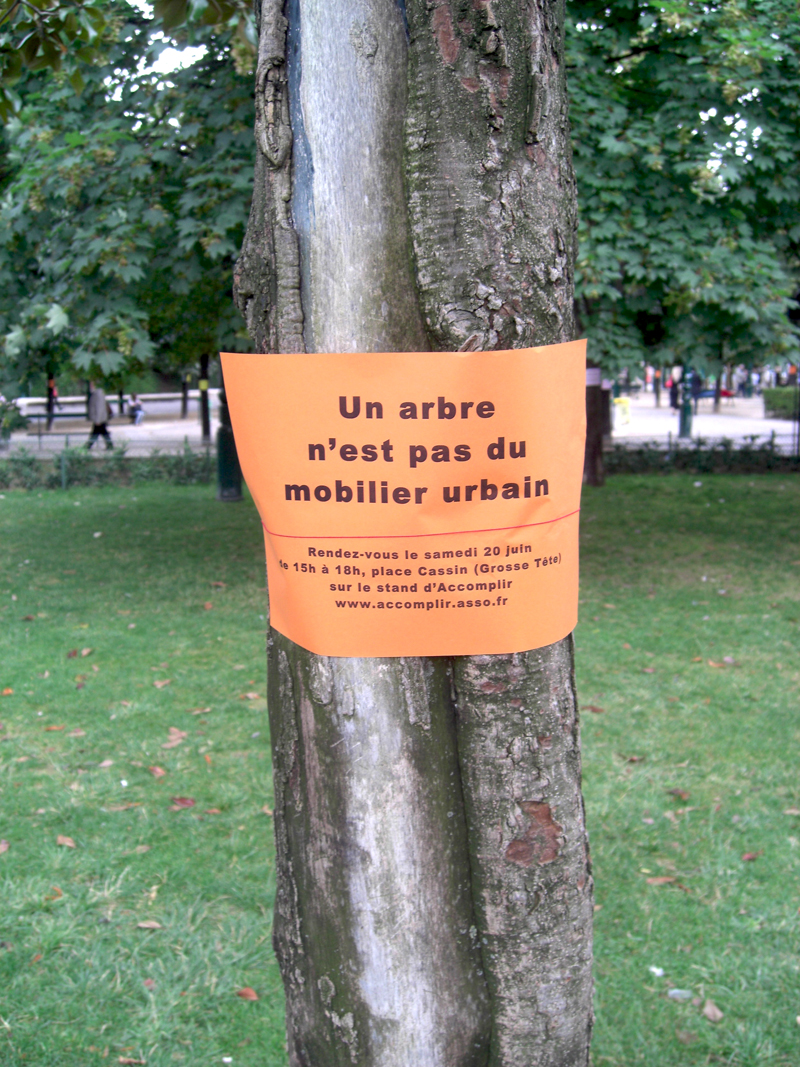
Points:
(416, 504)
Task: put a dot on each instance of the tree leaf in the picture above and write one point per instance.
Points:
(156, 771)
(712, 1012)
(4, 846)
(150, 924)
(67, 842)
(247, 993)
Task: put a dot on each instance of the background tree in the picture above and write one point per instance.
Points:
(414, 191)
(123, 208)
(686, 131)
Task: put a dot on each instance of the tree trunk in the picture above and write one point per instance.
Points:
(205, 413)
(51, 399)
(593, 472)
(434, 899)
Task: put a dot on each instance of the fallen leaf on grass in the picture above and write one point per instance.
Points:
(248, 993)
(149, 983)
(198, 711)
(685, 1037)
(73, 652)
(150, 924)
(208, 606)
(712, 1012)
(4, 846)
(207, 758)
(157, 772)
(54, 727)
(176, 737)
(162, 682)
(142, 848)
(711, 663)
(594, 709)
(106, 763)
(213, 811)
(218, 585)
(127, 1059)
(682, 794)
(86, 652)
(55, 895)
(7, 692)
(673, 818)
(28, 618)
(250, 696)
(648, 670)
(792, 811)
(77, 732)
(660, 879)
(626, 645)
(181, 802)
(124, 807)
(126, 703)
(67, 842)
(36, 958)
(697, 659)
(266, 810)
(752, 855)
(634, 759)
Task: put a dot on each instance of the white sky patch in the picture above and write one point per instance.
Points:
(171, 58)
(176, 59)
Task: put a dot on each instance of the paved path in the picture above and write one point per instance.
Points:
(737, 420)
(163, 432)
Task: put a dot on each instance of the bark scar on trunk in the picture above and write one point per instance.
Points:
(541, 841)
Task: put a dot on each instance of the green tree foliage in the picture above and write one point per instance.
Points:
(686, 123)
(41, 35)
(123, 208)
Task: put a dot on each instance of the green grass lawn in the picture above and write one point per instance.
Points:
(688, 768)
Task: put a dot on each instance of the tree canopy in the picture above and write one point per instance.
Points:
(123, 206)
(687, 150)
(124, 191)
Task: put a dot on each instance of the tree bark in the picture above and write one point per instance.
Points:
(414, 191)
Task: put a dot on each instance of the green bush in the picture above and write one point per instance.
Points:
(700, 457)
(780, 403)
(10, 420)
(78, 467)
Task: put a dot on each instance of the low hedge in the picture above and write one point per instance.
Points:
(781, 403)
(700, 456)
(78, 467)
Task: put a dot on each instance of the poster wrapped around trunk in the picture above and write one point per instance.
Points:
(416, 504)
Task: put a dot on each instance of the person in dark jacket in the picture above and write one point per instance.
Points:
(98, 414)
(673, 393)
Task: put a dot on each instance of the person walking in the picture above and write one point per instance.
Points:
(98, 413)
